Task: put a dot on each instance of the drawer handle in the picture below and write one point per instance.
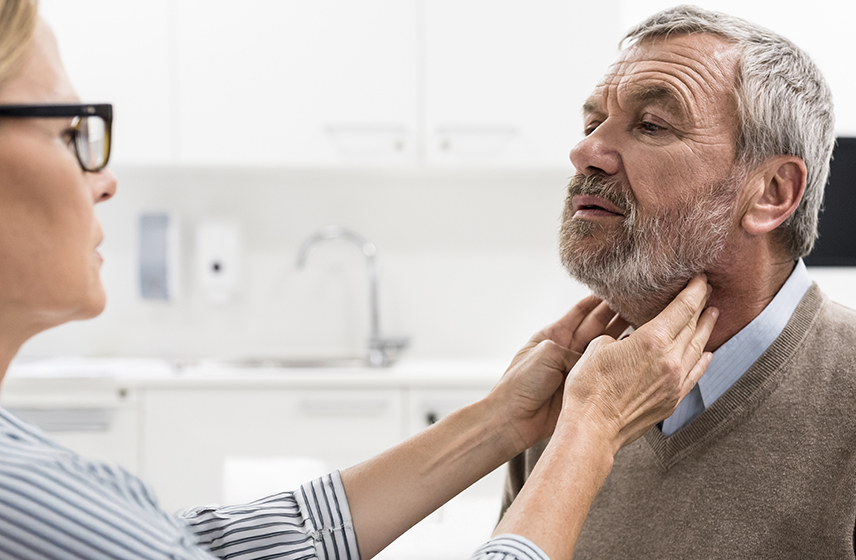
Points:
(67, 419)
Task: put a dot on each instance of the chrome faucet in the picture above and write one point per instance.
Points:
(381, 351)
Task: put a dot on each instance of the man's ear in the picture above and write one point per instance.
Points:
(777, 197)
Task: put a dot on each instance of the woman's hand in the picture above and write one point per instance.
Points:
(625, 387)
(529, 395)
(614, 393)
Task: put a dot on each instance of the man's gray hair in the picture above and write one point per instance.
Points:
(784, 105)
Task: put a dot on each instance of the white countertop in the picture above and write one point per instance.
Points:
(154, 373)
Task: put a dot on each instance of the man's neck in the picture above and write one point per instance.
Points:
(740, 296)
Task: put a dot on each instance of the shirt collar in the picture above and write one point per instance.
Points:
(732, 359)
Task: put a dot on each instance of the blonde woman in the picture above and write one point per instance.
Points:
(56, 504)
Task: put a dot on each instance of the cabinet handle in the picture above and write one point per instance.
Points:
(67, 419)
(476, 141)
(344, 407)
(368, 139)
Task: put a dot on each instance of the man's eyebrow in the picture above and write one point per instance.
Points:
(659, 94)
(590, 106)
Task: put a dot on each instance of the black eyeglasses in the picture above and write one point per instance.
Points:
(91, 128)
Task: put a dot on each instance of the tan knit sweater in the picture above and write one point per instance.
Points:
(768, 471)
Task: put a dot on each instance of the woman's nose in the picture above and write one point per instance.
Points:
(103, 185)
(596, 153)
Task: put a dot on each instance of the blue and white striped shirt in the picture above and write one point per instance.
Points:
(55, 504)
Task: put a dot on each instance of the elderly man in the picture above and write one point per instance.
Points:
(707, 148)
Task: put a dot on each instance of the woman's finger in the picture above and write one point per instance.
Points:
(695, 373)
(562, 331)
(701, 335)
(683, 310)
(592, 326)
(616, 327)
(687, 337)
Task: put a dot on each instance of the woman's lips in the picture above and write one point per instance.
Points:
(97, 245)
(590, 206)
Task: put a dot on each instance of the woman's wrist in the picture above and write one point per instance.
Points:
(515, 430)
(586, 426)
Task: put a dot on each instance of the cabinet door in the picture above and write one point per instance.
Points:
(191, 437)
(118, 52)
(303, 82)
(506, 80)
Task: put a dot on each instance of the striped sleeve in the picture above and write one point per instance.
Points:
(312, 522)
(509, 547)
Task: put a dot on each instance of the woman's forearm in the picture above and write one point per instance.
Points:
(393, 491)
(554, 502)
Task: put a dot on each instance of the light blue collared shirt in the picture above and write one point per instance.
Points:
(732, 359)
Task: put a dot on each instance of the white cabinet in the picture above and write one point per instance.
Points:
(304, 82)
(190, 436)
(339, 82)
(505, 80)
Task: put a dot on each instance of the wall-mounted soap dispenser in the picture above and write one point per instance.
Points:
(218, 252)
(159, 259)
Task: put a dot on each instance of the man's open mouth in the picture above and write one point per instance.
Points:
(587, 205)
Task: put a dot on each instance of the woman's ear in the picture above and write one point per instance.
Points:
(778, 196)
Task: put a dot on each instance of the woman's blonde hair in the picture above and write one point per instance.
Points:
(17, 22)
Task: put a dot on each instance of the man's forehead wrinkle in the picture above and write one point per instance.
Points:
(709, 75)
(706, 66)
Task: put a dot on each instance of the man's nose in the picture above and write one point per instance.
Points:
(596, 153)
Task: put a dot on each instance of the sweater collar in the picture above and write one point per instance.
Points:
(732, 359)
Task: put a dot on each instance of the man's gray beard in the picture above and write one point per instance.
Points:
(641, 267)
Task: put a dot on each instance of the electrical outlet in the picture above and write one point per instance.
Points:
(218, 252)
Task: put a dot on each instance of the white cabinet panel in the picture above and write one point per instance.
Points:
(505, 80)
(118, 52)
(301, 82)
(190, 435)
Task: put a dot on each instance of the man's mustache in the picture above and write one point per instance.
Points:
(598, 185)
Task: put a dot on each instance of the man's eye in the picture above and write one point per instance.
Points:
(591, 127)
(650, 127)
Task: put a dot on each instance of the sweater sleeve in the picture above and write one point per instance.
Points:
(313, 521)
(509, 547)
